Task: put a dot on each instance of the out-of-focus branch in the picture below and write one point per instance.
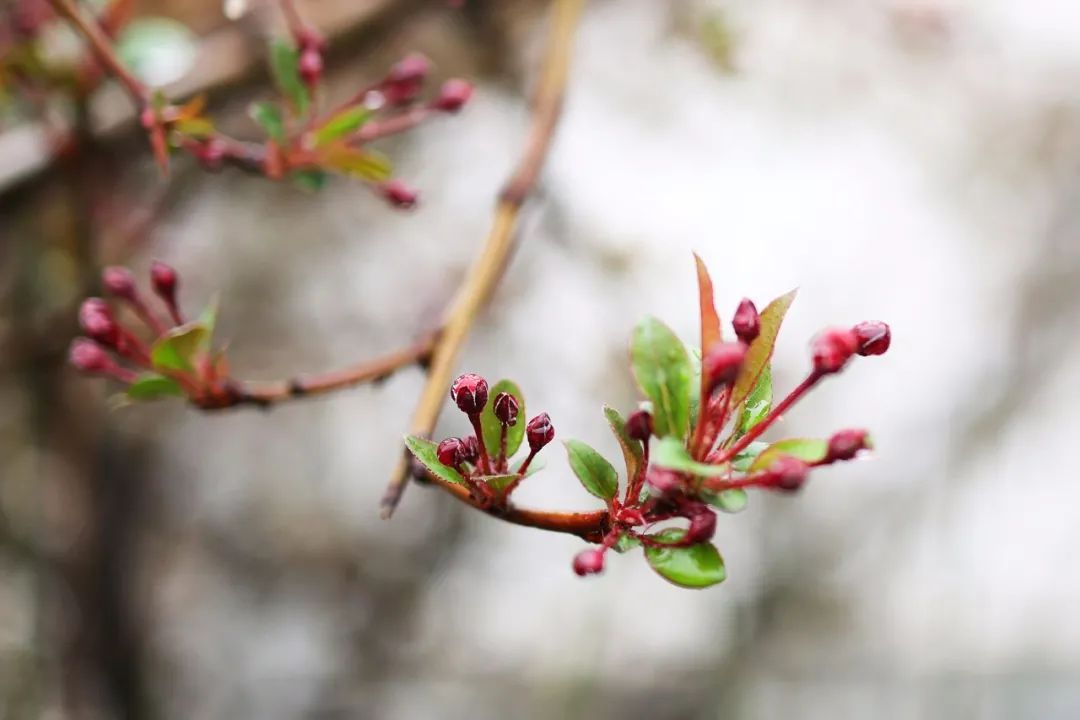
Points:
(489, 266)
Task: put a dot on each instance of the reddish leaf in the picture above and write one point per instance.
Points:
(757, 357)
(710, 321)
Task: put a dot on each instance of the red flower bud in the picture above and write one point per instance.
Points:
(789, 473)
(506, 408)
(96, 320)
(639, 425)
(832, 348)
(210, 154)
(310, 66)
(539, 431)
(89, 357)
(449, 452)
(398, 194)
(164, 280)
(405, 78)
(589, 562)
(845, 444)
(470, 392)
(310, 39)
(470, 449)
(873, 338)
(747, 322)
(722, 363)
(702, 527)
(453, 95)
(118, 281)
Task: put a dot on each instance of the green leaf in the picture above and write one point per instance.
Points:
(631, 448)
(344, 123)
(311, 180)
(208, 319)
(805, 449)
(662, 370)
(151, 386)
(745, 459)
(595, 473)
(730, 501)
(492, 428)
(427, 453)
(758, 403)
(285, 65)
(176, 349)
(498, 483)
(364, 164)
(268, 116)
(157, 50)
(696, 566)
(757, 357)
(626, 543)
(670, 453)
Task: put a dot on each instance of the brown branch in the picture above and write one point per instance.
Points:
(103, 50)
(489, 266)
(265, 394)
(590, 526)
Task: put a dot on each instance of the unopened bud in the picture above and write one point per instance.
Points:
(449, 452)
(403, 82)
(539, 431)
(789, 473)
(873, 338)
(589, 562)
(639, 425)
(164, 280)
(96, 320)
(210, 154)
(845, 444)
(453, 95)
(89, 357)
(702, 527)
(832, 348)
(722, 363)
(470, 392)
(310, 66)
(470, 449)
(746, 322)
(506, 408)
(398, 194)
(118, 281)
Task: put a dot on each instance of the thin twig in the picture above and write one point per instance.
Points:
(489, 266)
(264, 394)
(103, 50)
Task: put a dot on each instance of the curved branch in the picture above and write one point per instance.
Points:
(489, 266)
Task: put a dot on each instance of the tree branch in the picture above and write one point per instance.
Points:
(488, 268)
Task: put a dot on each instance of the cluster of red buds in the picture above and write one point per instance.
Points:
(482, 461)
(691, 450)
(177, 360)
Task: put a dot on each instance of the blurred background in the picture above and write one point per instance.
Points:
(914, 161)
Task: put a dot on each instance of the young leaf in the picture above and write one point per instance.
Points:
(758, 403)
(208, 319)
(364, 164)
(670, 453)
(311, 180)
(491, 426)
(498, 483)
(626, 543)
(711, 332)
(595, 473)
(662, 369)
(426, 452)
(176, 349)
(285, 65)
(535, 466)
(344, 123)
(745, 459)
(757, 357)
(151, 386)
(805, 449)
(268, 116)
(197, 128)
(696, 566)
(729, 501)
(631, 448)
